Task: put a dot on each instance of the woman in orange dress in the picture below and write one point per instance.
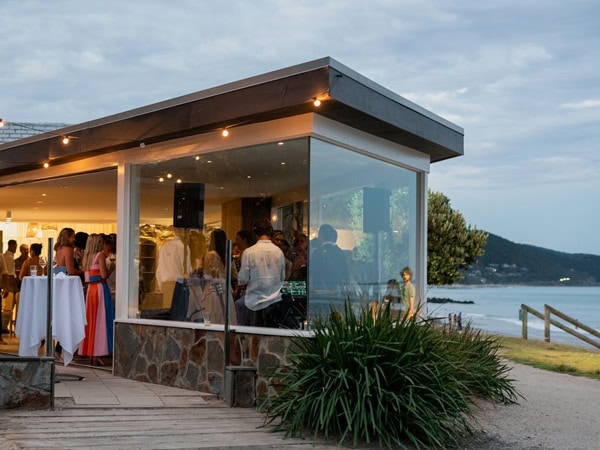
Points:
(99, 309)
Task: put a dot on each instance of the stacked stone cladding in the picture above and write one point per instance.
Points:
(25, 382)
(193, 358)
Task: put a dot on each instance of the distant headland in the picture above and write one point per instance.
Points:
(506, 262)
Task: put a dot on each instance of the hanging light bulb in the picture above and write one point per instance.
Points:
(65, 140)
(46, 165)
(317, 102)
(225, 133)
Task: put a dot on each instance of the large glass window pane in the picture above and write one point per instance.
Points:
(222, 193)
(363, 226)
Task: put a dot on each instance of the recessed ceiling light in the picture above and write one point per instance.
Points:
(208, 162)
(43, 195)
(169, 175)
(280, 143)
(283, 163)
(248, 176)
(197, 158)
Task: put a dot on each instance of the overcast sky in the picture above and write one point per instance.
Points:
(521, 77)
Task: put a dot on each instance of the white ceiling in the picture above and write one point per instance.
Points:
(92, 197)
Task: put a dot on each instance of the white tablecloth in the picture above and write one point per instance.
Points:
(68, 314)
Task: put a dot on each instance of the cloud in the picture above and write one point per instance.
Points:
(526, 55)
(583, 104)
(32, 69)
(88, 58)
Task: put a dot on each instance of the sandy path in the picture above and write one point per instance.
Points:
(559, 412)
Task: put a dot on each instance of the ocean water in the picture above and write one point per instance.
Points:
(496, 309)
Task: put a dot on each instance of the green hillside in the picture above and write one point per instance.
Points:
(505, 262)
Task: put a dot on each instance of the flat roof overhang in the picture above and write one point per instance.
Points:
(347, 97)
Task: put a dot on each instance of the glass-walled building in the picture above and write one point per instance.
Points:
(369, 204)
(343, 184)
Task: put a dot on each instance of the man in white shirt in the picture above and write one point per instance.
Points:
(9, 261)
(263, 271)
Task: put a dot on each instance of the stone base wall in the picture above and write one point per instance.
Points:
(193, 358)
(25, 382)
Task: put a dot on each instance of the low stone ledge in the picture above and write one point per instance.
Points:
(25, 382)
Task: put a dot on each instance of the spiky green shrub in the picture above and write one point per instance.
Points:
(377, 380)
(477, 362)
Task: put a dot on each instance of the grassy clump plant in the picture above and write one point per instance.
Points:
(374, 379)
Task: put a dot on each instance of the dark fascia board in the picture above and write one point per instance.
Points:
(349, 98)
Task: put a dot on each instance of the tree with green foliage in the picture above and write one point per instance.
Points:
(452, 245)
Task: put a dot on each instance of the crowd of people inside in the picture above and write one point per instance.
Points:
(262, 260)
(91, 257)
(263, 264)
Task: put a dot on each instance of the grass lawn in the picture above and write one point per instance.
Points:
(552, 356)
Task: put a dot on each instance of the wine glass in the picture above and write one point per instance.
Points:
(43, 263)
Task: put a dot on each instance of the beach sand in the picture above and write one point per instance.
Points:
(559, 411)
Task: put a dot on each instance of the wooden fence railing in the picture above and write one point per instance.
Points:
(548, 310)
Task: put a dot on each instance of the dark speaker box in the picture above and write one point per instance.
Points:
(253, 209)
(188, 206)
(376, 210)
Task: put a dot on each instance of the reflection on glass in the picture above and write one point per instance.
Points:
(362, 226)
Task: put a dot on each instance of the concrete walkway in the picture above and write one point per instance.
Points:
(106, 412)
(101, 389)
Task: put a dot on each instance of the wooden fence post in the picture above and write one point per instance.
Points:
(524, 322)
(546, 323)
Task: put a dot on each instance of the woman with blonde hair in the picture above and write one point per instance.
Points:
(64, 260)
(99, 309)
